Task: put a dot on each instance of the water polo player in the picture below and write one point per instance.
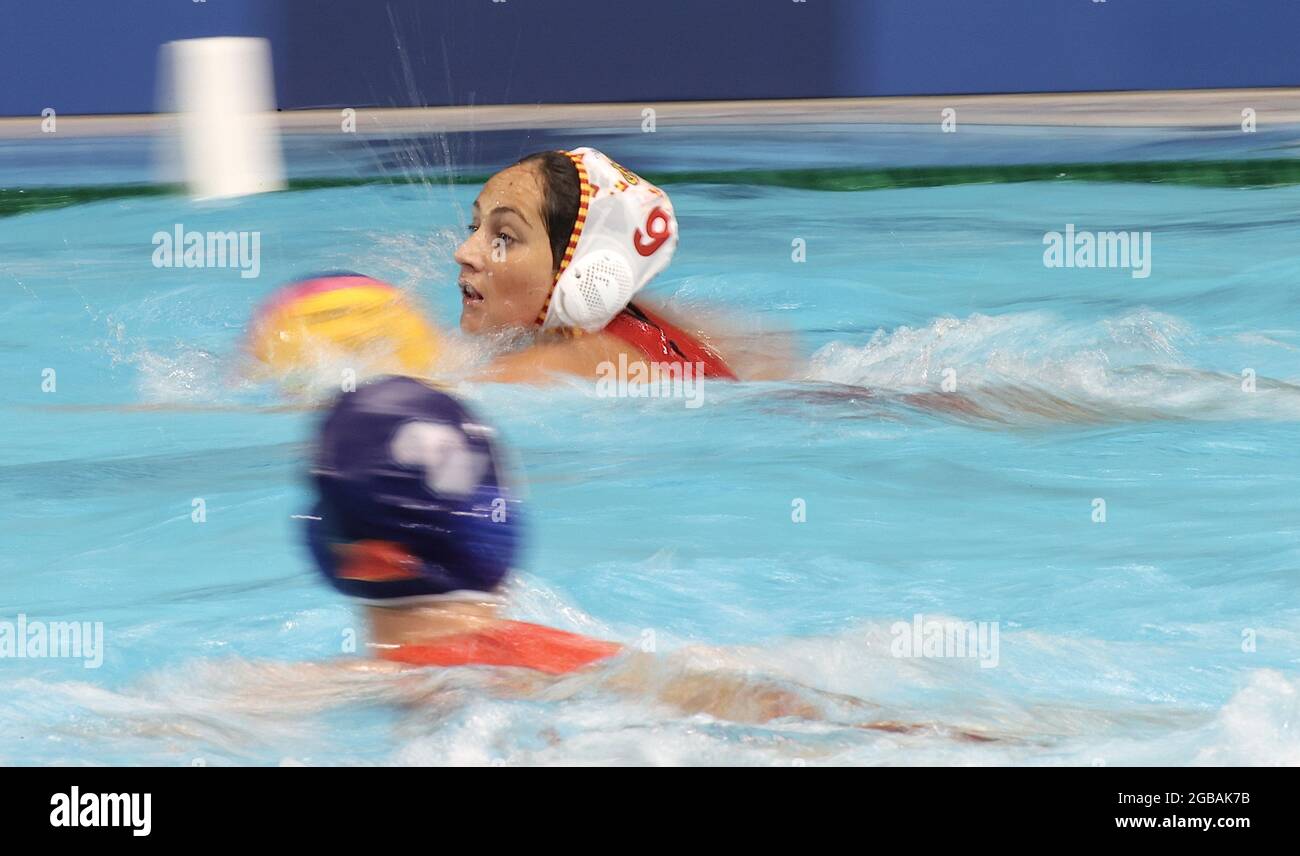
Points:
(559, 245)
(416, 521)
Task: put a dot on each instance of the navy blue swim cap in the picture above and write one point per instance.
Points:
(411, 497)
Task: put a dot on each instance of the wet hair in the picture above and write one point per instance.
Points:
(561, 193)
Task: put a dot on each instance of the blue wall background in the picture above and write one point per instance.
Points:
(86, 56)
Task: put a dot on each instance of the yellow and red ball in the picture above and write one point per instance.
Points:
(342, 319)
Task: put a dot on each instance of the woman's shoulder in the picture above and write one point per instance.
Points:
(580, 355)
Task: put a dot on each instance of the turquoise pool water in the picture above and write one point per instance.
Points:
(1167, 634)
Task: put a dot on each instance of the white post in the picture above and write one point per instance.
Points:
(222, 92)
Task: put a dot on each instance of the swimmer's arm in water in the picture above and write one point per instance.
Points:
(726, 696)
(747, 700)
(735, 698)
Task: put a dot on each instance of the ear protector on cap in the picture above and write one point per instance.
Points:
(624, 235)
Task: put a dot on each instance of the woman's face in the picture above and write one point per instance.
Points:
(505, 263)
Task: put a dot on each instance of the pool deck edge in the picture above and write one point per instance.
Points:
(1222, 108)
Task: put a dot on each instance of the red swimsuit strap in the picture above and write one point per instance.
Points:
(661, 341)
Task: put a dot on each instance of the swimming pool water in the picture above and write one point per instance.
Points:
(1170, 633)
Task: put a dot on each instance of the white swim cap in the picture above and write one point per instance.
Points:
(625, 233)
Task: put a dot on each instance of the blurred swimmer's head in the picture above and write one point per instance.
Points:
(412, 499)
(561, 240)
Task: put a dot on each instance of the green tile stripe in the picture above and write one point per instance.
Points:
(1220, 173)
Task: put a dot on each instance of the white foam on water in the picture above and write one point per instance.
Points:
(1260, 724)
(1032, 367)
(231, 710)
(186, 375)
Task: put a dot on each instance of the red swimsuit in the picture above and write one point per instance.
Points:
(661, 341)
(508, 643)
